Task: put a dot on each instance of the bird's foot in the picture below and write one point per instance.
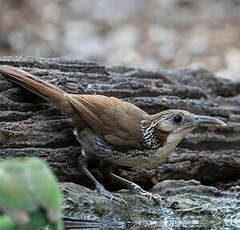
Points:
(137, 189)
(155, 197)
(101, 190)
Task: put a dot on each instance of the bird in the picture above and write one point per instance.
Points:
(30, 198)
(113, 132)
(29, 195)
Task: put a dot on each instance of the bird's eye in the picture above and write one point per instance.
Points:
(177, 118)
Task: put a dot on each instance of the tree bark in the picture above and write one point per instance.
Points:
(30, 126)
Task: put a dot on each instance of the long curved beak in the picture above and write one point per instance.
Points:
(204, 120)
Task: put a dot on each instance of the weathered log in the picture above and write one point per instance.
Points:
(186, 205)
(31, 126)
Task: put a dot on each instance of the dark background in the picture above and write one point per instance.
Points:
(141, 33)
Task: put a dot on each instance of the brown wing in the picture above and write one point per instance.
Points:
(118, 121)
(91, 107)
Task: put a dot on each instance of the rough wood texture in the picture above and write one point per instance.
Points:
(186, 205)
(32, 127)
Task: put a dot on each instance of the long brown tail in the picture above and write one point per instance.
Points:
(40, 87)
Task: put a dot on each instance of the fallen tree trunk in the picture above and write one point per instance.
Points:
(31, 126)
(185, 205)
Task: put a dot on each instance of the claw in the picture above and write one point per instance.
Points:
(155, 197)
(101, 190)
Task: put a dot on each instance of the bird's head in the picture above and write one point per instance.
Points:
(171, 126)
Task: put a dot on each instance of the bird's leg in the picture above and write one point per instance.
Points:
(99, 187)
(105, 168)
(136, 188)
